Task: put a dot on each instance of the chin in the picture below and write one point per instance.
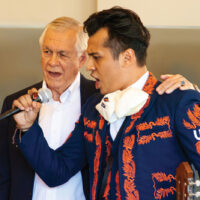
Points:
(103, 92)
(53, 86)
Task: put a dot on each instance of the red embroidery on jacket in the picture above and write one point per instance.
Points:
(144, 139)
(127, 157)
(89, 124)
(108, 151)
(107, 188)
(96, 164)
(88, 137)
(149, 85)
(101, 122)
(148, 88)
(194, 117)
(108, 148)
(118, 194)
(129, 168)
(197, 145)
(160, 193)
(136, 116)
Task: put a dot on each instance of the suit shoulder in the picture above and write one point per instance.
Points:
(178, 94)
(88, 85)
(92, 102)
(179, 97)
(87, 89)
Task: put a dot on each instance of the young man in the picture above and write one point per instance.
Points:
(132, 138)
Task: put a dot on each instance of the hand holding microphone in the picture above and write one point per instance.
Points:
(28, 107)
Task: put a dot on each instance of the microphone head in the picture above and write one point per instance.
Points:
(44, 94)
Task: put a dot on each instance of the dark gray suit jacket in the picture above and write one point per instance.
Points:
(16, 175)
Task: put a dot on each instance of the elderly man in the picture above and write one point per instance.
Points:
(84, 144)
(63, 52)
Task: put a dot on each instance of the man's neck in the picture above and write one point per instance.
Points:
(57, 92)
(134, 76)
(56, 95)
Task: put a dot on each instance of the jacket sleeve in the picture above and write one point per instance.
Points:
(187, 121)
(55, 167)
(4, 156)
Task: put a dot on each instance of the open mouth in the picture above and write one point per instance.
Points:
(54, 74)
(97, 83)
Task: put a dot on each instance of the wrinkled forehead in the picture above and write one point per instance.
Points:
(58, 41)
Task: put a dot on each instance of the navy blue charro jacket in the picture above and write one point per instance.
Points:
(164, 133)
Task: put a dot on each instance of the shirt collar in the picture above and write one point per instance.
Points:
(65, 96)
(139, 84)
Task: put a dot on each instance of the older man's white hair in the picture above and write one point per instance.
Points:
(64, 23)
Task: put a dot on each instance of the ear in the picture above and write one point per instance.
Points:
(82, 59)
(128, 57)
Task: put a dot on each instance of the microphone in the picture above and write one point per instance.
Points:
(43, 96)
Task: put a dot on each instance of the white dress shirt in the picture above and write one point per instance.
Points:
(57, 120)
(115, 126)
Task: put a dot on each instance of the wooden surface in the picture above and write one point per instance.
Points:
(183, 173)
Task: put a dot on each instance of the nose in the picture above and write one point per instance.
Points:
(90, 65)
(54, 60)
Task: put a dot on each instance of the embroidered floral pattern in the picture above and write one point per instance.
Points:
(108, 147)
(194, 117)
(107, 188)
(101, 122)
(108, 151)
(136, 116)
(118, 194)
(144, 139)
(160, 193)
(149, 86)
(88, 137)
(89, 124)
(197, 145)
(127, 157)
(96, 164)
(129, 168)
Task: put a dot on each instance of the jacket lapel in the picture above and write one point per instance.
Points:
(127, 143)
(136, 118)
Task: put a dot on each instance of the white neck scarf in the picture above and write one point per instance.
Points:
(122, 103)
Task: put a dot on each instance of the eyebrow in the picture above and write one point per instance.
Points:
(93, 54)
(44, 47)
(60, 51)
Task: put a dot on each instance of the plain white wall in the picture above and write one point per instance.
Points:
(153, 13)
(177, 13)
(40, 12)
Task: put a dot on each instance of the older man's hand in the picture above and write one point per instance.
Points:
(25, 118)
(172, 82)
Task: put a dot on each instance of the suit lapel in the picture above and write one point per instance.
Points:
(87, 88)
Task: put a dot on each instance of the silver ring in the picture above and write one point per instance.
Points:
(182, 83)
